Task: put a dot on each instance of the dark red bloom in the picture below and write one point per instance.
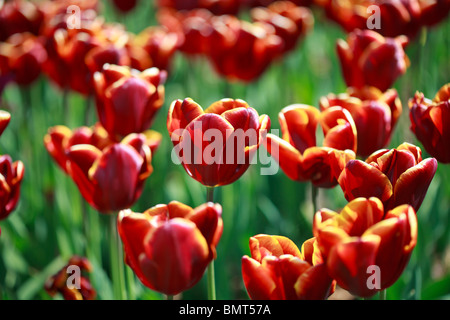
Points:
(291, 22)
(297, 152)
(396, 176)
(19, 16)
(243, 50)
(21, 57)
(109, 175)
(375, 114)
(430, 122)
(11, 175)
(278, 270)
(365, 248)
(72, 289)
(125, 5)
(169, 246)
(216, 145)
(369, 59)
(128, 100)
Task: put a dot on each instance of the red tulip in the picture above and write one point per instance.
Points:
(237, 130)
(291, 22)
(21, 56)
(160, 45)
(125, 5)
(375, 115)
(242, 50)
(217, 7)
(391, 18)
(20, 16)
(192, 27)
(60, 282)
(76, 54)
(110, 176)
(277, 270)
(297, 152)
(364, 248)
(128, 100)
(169, 246)
(369, 59)
(396, 176)
(11, 175)
(430, 121)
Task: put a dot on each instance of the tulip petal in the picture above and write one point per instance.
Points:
(360, 179)
(177, 256)
(411, 187)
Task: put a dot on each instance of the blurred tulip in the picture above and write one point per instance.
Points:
(76, 54)
(369, 59)
(396, 176)
(21, 56)
(243, 50)
(125, 5)
(192, 27)
(160, 44)
(430, 122)
(169, 246)
(62, 283)
(297, 152)
(291, 22)
(128, 100)
(20, 16)
(11, 175)
(277, 270)
(391, 18)
(375, 114)
(109, 175)
(217, 7)
(237, 130)
(364, 248)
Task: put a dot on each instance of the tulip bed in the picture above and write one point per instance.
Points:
(74, 208)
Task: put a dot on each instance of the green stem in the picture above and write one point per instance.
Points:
(117, 267)
(383, 294)
(314, 194)
(210, 272)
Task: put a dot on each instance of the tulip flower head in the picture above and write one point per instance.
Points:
(375, 114)
(169, 246)
(70, 282)
(369, 59)
(216, 145)
(110, 175)
(366, 249)
(396, 176)
(21, 57)
(11, 175)
(430, 121)
(278, 270)
(298, 154)
(128, 100)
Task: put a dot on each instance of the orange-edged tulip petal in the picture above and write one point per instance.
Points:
(360, 179)
(278, 271)
(5, 118)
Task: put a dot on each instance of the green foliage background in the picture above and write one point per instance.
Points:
(52, 222)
